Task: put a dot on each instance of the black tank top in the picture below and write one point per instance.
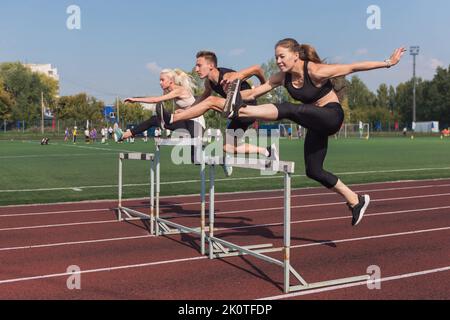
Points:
(217, 88)
(309, 93)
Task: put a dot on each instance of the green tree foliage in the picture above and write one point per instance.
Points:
(80, 107)
(132, 113)
(24, 88)
(6, 103)
(359, 96)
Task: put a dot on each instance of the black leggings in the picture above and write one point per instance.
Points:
(321, 123)
(189, 125)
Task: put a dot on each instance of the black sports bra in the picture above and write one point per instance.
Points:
(309, 93)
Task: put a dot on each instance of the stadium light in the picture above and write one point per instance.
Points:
(414, 51)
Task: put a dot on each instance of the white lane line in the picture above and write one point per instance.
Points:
(218, 194)
(219, 180)
(276, 224)
(231, 200)
(60, 225)
(230, 229)
(361, 283)
(193, 259)
(227, 212)
(75, 243)
(90, 155)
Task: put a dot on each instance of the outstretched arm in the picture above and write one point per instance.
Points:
(171, 95)
(244, 74)
(322, 72)
(274, 82)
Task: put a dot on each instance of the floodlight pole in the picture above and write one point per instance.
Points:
(414, 51)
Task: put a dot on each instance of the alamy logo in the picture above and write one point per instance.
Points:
(374, 20)
(74, 19)
(74, 280)
(374, 281)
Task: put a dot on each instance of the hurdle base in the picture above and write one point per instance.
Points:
(169, 228)
(325, 284)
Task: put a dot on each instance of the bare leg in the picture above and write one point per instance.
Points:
(212, 103)
(127, 135)
(349, 195)
(245, 149)
(266, 112)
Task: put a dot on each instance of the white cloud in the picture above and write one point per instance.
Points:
(435, 63)
(237, 52)
(154, 68)
(362, 52)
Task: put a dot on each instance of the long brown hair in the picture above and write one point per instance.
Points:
(309, 53)
(305, 51)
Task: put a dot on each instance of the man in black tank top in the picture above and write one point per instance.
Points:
(218, 88)
(215, 81)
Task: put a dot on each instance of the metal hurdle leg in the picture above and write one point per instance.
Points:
(152, 198)
(119, 215)
(164, 226)
(287, 169)
(158, 187)
(130, 213)
(203, 205)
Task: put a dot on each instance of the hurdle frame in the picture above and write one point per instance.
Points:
(132, 214)
(163, 226)
(219, 248)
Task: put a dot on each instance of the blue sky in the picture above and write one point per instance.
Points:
(122, 44)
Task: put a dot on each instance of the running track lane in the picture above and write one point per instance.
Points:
(403, 252)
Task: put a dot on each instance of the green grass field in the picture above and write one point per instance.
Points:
(60, 172)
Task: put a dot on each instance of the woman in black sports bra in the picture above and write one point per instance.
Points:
(307, 80)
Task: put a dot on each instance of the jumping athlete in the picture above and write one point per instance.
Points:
(216, 78)
(178, 86)
(307, 79)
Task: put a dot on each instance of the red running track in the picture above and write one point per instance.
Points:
(406, 234)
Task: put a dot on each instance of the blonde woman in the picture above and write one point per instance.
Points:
(179, 87)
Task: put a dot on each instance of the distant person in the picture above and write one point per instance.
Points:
(66, 135)
(104, 133)
(74, 134)
(145, 133)
(44, 141)
(94, 135)
(87, 136)
(405, 131)
(290, 133)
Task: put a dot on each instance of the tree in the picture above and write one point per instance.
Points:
(359, 95)
(383, 97)
(25, 88)
(6, 103)
(80, 108)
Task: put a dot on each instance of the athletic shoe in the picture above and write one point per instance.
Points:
(234, 100)
(119, 134)
(164, 117)
(359, 210)
(227, 169)
(274, 155)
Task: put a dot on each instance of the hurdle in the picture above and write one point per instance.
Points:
(164, 226)
(219, 248)
(125, 213)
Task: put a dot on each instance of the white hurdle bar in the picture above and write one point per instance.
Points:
(219, 248)
(132, 214)
(163, 226)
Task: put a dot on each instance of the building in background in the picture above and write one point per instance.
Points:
(45, 69)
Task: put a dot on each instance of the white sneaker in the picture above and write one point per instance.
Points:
(274, 154)
(227, 169)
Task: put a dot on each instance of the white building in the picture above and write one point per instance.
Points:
(45, 69)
